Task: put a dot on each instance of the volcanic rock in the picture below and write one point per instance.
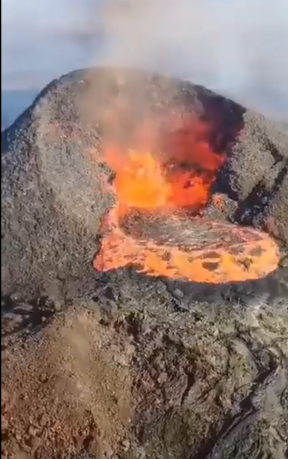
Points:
(151, 381)
(119, 364)
(52, 198)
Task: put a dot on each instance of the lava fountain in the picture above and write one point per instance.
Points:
(162, 184)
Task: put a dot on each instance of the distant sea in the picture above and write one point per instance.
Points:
(13, 104)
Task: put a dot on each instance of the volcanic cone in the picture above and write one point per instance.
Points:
(59, 186)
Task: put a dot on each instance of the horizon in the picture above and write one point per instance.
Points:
(237, 48)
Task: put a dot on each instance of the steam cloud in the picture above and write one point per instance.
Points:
(237, 47)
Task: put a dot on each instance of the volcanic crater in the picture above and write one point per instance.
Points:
(144, 273)
(103, 154)
(155, 225)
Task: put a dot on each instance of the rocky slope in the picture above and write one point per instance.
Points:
(134, 374)
(52, 199)
(119, 365)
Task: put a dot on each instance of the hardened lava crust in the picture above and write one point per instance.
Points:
(118, 363)
(54, 177)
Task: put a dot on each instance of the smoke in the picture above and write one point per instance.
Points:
(237, 47)
(42, 40)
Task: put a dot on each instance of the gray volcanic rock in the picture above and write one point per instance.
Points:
(127, 365)
(258, 171)
(52, 198)
(151, 380)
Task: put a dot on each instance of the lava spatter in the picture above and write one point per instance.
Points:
(156, 225)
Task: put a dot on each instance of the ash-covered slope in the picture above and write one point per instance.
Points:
(151, 380)
(135, 366)
(52, 198)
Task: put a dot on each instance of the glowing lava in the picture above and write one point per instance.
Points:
(156, 225)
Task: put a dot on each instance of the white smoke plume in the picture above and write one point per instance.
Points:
(237, 47)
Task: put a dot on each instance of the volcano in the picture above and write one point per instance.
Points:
(114, 169)
(161, 186)
(144, 273)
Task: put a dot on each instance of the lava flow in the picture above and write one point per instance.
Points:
(156, 225)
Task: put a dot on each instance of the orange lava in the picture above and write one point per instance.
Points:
(175, 186)
(251, 254)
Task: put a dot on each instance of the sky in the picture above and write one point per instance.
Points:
(236, 47)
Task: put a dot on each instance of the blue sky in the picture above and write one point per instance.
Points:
(238, 47)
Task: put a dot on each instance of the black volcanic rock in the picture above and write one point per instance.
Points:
(52, 201)
(136, 366)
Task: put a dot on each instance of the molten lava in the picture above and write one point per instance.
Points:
(161, 187)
